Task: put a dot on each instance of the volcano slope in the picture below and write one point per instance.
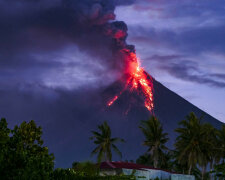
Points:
(170, 109)
(68, 118)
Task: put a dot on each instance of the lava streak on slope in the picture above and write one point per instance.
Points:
(137, 79)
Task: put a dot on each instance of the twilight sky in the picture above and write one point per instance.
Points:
(46, 51)
(181, 44)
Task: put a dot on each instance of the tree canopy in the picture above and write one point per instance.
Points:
(155, 139)
(22, 154)
(105, 143)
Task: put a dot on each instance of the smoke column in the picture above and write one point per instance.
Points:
(99, 14)
(51, 25)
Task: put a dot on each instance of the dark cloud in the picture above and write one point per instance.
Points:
(50, 28)
(165, 59)
(184, 8)
(193, 41)
(200, 40)
(36, 35)
(181, 67)
(219, 75)
(190, 71)
(178, 66)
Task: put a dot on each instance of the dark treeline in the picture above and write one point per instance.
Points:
(23, 157)
(199, 149)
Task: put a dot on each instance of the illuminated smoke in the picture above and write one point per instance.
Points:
(99, 14)
(137, 79)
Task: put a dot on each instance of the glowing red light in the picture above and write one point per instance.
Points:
(112, 101)
(137, 79)
(119, 34)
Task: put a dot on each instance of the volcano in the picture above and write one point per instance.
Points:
(124, 117)
(68, 120)
(169, 108)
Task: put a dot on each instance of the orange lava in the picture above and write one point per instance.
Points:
(137, 80)
(113, 100)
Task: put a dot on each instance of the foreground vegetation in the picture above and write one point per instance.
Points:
(198, 146)
(23, 157)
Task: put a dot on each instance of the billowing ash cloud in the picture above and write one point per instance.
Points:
(32, 29)
(98, 17)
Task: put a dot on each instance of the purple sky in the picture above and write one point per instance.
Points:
(181, 44)
(44, 50)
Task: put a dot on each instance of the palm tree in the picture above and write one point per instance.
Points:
(187, 143)
(190, 142)
(221, 142)
(105, 143)
(155, 139)
(209, 152)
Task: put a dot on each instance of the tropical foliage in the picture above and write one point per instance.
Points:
(86, 168)
(155, 139)
(71, 174)
(220, 171)
(105, 143)
(22, 154)
(198, 146)
(190, 142)
(221, 142)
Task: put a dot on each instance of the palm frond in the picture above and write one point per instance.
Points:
(117, 150)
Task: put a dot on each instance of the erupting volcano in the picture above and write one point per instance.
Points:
(99, 22)
(137, 79)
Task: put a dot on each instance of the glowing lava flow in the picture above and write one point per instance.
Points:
(137, 79)
(113, 100)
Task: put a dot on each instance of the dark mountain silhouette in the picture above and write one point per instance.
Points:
(69, 118)
(170, 108)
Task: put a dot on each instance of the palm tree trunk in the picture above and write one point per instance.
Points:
(155, 161)
(189, 171)
(105, 156)
(211, 168)
(203, 171)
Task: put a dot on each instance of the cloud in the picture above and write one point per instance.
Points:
(189, 41)
(190, 71)
(42, 40)
(173, 32)
(220, 76)
(190, 26)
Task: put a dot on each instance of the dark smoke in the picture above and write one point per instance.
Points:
(90, 24)
(97, 16)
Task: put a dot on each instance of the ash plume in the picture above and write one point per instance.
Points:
(100, 15)
(57, 23)
(89, 24)
(97, 18)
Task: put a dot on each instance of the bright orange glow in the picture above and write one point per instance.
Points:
(112, 101)
(137, 79)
